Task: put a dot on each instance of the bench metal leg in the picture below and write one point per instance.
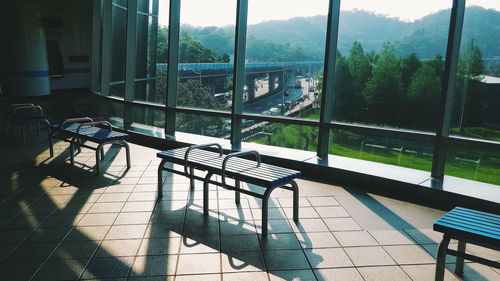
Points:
(160, 179)
(441, 258)
(237, 193)
(101, 151)
(51, 143)
(265, 209)
(71, 153)
(205, 193)
(295, 188)
(97, 160)
(459, 265)
(191, 180)
(127, 152)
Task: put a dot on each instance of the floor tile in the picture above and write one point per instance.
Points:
(342, 224)
(309, 225)
(133, 218)
(242, 261)
(368, 256)
(424, 272)
(130, 231)
(323, 201)
(200, 244)
(75, 250)
(80, 233)
(328, 257)
(106, 207)
(317, 240)
(248, 242)
(409, 254)
(285, 259)
(245, 276)
(110, 267)
(332, 212)
(61, 270)
(199, 277)
(383, 273)
(19, 271)
(199, 263)
(280, 241)
(154, 265)
(98, 219)
(354, 238)
(392, 237)
(338, 274)
(160, 246)
(304, 213)
(118, 248)
(32, 251)
(295, 275)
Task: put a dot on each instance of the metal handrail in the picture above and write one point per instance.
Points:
(236, 154)
(92, 124)
(199, 146)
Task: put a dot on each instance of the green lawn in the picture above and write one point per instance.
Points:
(487, 169)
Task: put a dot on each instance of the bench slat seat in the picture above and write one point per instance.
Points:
(470, 224)
(466, 226)
(77, 130)
(93, 134)
(265, 175)
(232, 166)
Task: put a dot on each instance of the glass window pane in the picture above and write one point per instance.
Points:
(477, 99)
(205, 50)
(147, 120)
(412, 153)
(278, 134)
(389, 63)
(118, 45)
(211, 126)
(112, 111)
(151, 41)
(474, 163)
(285, 53)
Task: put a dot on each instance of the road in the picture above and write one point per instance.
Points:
(274, 100)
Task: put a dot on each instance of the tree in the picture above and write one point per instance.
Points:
(192, 93)
(470, 73)
(409, 65)
(423, 94)
(359, 66)
(384, 89)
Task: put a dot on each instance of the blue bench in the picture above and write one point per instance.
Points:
(466, 226)
(269, 177)
(22, 114)
(78, 130)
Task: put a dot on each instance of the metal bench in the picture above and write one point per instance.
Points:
(78, 130)
(466, 226)
(22, 114)
(231, 166)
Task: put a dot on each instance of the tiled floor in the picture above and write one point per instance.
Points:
(63, 223)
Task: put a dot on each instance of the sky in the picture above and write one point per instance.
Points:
(222, 12)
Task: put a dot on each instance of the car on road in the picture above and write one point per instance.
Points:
(274, 111)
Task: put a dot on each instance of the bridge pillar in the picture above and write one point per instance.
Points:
(271, 81)
(250, 83)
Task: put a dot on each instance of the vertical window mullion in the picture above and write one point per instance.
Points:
(173, 65)
(130, 63)
(328, 78)
(106, 46)
(239, 72)
(96, 45)
(448, 89)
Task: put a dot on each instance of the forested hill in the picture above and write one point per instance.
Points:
(306, 36)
